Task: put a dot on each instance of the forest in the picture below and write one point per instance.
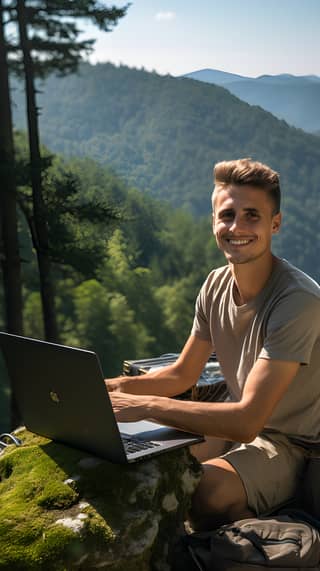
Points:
(163, 136)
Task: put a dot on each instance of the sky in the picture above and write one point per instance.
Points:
(247, 37)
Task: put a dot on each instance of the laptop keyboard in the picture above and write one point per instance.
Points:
(135, 445)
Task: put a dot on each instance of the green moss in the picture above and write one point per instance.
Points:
(30, 474)
(33, 496)
(96, 527)
(55, 548)
(49, 551)
(59, 512)
(57, 496)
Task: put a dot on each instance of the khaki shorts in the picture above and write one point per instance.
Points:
(270, 468)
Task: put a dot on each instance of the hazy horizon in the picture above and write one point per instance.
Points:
(249, 38)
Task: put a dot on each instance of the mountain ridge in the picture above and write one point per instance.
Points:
(227, 76)
(289, 97)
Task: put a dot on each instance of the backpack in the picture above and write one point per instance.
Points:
(278, 543)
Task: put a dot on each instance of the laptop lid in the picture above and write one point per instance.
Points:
(61, 394)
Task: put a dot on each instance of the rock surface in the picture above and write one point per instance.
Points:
(61, 509)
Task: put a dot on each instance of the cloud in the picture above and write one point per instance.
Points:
(165, 16)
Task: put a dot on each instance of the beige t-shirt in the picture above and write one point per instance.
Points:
(282, 322)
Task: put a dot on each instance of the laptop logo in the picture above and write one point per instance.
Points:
(54, 397)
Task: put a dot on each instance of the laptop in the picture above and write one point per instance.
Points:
(61, 394)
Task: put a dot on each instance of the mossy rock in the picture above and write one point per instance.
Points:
(61, 509)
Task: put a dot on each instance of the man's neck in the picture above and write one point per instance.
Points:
(251, 278)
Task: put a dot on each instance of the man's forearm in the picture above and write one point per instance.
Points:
(230, 421)
(240, 421)
(222, 420)
(166, 382)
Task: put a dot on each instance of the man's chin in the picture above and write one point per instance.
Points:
(232, 259)
(240, 260)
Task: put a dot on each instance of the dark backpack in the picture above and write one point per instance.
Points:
(278, 543)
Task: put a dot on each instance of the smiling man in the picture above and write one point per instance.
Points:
(261, 316)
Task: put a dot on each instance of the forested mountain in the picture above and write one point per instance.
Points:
(292, 98)
(163, 135)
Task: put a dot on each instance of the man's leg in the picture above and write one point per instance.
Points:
(248, 479)
(210, 448)
(220, 497)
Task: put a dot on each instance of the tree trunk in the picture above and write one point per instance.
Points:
(39, 209)
(9, 243)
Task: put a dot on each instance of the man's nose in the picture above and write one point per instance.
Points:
(237, 224)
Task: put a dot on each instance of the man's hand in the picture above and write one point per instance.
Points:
(113, 384)
(129, 408)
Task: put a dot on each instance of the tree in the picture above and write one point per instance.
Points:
(48, 40)
(39, 211)
(9, 245)
(80, 217)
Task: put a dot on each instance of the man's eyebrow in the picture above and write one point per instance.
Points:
(231, 210)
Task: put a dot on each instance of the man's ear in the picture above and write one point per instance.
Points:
(276, 223)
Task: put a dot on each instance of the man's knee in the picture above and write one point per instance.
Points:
(220, 496)
(211, 448)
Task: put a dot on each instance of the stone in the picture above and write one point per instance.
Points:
(61, 509)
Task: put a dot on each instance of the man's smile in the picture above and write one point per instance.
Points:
(238, 241)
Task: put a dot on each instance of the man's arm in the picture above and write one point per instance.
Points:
(171, 380)
(236, 421)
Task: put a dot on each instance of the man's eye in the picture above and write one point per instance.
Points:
(253, 215)
(226, 216)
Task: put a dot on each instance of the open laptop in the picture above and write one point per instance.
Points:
(61, 394)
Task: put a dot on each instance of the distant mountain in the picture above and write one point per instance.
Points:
(287, 78)
(292, 98)
(163, 135)
(215, 76)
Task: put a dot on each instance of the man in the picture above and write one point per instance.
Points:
(262, 317)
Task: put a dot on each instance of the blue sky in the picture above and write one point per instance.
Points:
(248, 37)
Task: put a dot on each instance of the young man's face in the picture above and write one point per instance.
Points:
(243, 222)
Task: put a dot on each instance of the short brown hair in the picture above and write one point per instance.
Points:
(247, 171)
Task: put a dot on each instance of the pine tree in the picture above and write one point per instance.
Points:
(9, 246)
(47, 41)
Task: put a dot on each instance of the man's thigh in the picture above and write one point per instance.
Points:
(270, 469)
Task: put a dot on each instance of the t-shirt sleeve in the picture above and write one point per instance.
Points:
(201, 324)
(293, 328)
